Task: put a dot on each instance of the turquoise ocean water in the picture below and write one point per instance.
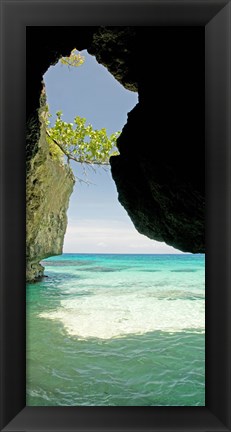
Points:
(118, 330)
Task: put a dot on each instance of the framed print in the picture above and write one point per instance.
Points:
(183, 86)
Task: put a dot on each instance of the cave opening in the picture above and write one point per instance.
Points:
(97, 223)
(124, 324)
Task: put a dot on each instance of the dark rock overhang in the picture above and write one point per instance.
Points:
(160, 171)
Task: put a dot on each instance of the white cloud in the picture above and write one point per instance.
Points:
(102, 244)
(95, 235)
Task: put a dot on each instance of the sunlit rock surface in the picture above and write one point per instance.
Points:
(48, 188)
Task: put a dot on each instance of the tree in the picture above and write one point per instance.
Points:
(79, 142)
(75, 59)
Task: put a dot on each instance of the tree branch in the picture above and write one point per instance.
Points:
(70, 156)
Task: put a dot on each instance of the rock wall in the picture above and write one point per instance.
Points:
(49, 185)
(160, 173)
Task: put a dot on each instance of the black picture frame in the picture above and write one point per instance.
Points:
(216, 17)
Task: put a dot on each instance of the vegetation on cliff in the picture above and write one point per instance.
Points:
(80, 142)
(77, 141)
(75, 59)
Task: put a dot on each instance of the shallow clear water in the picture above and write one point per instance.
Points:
(119, 330)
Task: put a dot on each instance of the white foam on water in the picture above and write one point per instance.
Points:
(105, 317)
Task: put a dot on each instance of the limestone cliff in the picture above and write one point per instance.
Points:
(49, 185)
(160, 173)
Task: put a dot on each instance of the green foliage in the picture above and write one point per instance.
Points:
(80, 142)
(75, 59)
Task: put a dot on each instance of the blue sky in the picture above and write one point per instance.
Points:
(97, 223)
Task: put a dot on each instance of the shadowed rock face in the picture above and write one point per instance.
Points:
(159, 174)
(156, 186)
(160, 171)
